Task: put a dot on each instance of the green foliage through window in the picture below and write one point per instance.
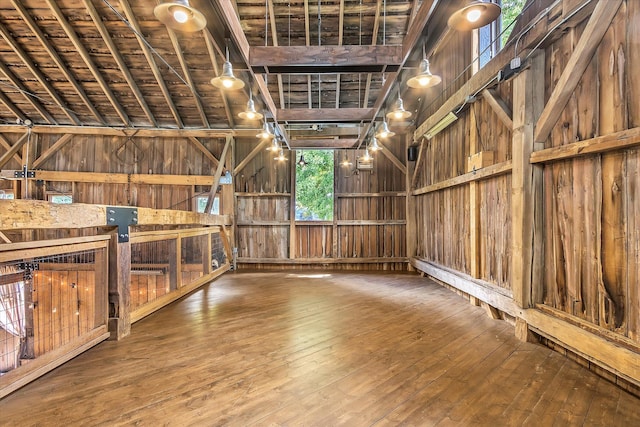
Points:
(314, 186)
(510, 11)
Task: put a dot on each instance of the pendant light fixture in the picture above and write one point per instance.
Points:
(367, 156)
(398, 112)
(265, 133)
(280, 157)
(373, 145)
(424, 78)
(180, 16)
(476, 14)
(345, 162)
(302, 162)
(250, 113)
(227, 80)
(384, 131)
(275, 145)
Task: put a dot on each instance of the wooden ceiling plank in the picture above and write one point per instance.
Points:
(24, 92)
(13, 150)
(152, 63)
(595, 29)
(340, 41)
(499, 107)
(200, 146)
(84, 54)
(42, 79)
(42, 38)
(11, 106)
(326, 114)
(51, 150)
(4, 143)
(374, 42)
(258, 148)
(211, 46)
(274, 39)
(187, 76)
(117, 56)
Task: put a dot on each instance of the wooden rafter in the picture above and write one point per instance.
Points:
(340, 41)
(210, 42)
(42, 38)
(11, 106)
(24, 92)
(274, 39)
(77, 43)
(374, 42)
(200, 147)
(187, 76)
(139, 132)
(7, 146)
(117, 56)
(323, 143)
(42, 79)
(307, 43)
(595, 29)
(13, 150)
(51, 150)
(326, 114)
(152, 63)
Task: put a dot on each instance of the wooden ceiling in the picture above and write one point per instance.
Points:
(319, 69)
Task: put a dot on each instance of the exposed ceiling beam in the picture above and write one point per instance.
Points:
(326, 114)
(152, 63)
(374, 41)
(187, 76)
(42, 38)
(324, 59)
(307, 43)
(138, 132)
(211, 44)
(323, 143)
(24, 91)
(274, 39)
(42, 79)
(117, 56)
(11, 106)
(340, 40)
(324, 132)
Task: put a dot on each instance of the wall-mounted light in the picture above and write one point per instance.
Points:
(476, 14)
(384, 131)
(265, 133)
(250, 113)
(180, 16)
(227, 80)
(441, 125)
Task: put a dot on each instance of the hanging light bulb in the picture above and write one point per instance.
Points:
(373, 146)
(476, 14)
(280, 157)
(302, 162)
(265, 133)
(179, 15)
(227, 80)
(384, 131)
(275, 145)
(398, 113)
(345, 162)
(367, 156)
(424, 78)
(250, 113)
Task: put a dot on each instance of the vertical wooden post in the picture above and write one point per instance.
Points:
(410, 206)
(475, 233)
(119, 288)
(526, 185)
(292, 207)
(336, 200)
(101, 297)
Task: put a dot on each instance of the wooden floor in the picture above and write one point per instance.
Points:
(320, 350)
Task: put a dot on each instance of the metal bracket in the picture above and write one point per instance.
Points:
(122, 218)
(24, 173)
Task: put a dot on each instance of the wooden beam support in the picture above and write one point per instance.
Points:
(13, 150)
(122, 178)
(37, 214)
(324, 59)
(475, 196)
(51, 150)
(319, 144)
(326, 114)
(117, 56)
(133, 21)
(526, 187)
(138, 132)
(484, 173)
(42, 79)
(258, 148)
(499, 107)
(43, 39)
(200, 147)
(389, 155)
(4, 143)
(580, 58)
(324, 132)
(119, 287)
(218, 174)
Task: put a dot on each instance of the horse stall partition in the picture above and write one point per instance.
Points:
(53, 304)
(165, 265)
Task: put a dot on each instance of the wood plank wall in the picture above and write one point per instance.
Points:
(591, 258)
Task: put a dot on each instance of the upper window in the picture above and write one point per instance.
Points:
(201, 204)
(493, 37)
(314, 186)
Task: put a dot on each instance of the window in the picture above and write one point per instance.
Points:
(493, 37)
(6, 194)
(63, 199)
(201, 203)
(314, 186)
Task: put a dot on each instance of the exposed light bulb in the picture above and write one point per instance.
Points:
(424, 81)
(473, 15)
(251, 115)
(397, 115)
(227, 83)
(181, 16)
